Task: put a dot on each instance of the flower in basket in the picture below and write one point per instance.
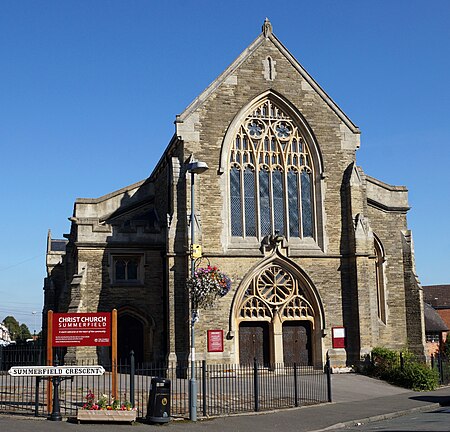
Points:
(104, 403)
(207, 285)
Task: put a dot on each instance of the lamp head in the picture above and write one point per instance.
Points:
(197, 167)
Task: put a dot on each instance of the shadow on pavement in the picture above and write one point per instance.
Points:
(441, 400)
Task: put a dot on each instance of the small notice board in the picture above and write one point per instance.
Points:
(215, 340)
(338, 337)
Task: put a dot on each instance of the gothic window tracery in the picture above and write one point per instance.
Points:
(274, 291)
(271, 176)
(127, 269)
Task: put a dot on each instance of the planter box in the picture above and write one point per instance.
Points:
(106, 416)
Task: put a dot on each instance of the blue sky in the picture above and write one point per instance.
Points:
(89, 90)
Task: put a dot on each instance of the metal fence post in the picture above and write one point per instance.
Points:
(402, 362)
(36, 397)
(441, 368)
(295, 385)
(328, 370)
(256, 384)
(204, 387)
(132, 374)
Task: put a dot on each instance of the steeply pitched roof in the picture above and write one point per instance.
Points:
(437, 296)
(266, 34)
(433, 321)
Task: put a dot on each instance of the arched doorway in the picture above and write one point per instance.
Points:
(278, 316)
(254, 342)
(130, 336)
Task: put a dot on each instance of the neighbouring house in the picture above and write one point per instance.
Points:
(5, 337)
(438, 296)
(319, 253)
(435, 330)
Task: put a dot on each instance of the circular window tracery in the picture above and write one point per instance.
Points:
(255, 128)
(284, 130)
(275, 285)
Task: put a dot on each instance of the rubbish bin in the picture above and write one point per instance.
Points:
(158, 408)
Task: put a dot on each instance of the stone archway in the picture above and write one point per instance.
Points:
(277, 307)
(130, 336)
(135, 331)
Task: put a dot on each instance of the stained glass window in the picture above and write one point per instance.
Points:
(249, 202)
(294, 210)
(306, 204)
(235, 202)
(278, 201)
(271, 176)
(264, 203)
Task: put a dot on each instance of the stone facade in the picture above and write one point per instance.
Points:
(344, 260)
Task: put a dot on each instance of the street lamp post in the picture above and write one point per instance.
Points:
(195, 167)
(34, 315)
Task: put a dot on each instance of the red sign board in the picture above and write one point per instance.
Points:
(215, 340)
(81, 329)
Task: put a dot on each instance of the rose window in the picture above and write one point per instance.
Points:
(275, 285)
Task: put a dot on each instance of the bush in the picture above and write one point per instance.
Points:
(419, 377)
(412, 374)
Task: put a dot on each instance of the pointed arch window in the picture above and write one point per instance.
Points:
(271, 177)
(379, 275)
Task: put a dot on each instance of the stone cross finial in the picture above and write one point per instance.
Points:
(267, 28)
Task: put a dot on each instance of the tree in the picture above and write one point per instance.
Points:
(24, 333)
(13, 326)
(18, 332)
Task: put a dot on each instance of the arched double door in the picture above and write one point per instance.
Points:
(134, 333)
(278, 318)
(130, 337)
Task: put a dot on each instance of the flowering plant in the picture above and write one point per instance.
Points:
(104, 403)
(208, 284)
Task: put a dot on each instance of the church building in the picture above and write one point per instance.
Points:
(319, 254)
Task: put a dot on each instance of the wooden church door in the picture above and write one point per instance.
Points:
(297, 342)
(254, 342)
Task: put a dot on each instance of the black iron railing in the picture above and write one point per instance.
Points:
(223, 388)
(441, 364)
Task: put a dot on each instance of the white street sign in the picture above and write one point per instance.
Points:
(28, 371)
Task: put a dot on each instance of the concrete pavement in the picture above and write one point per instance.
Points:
(356, 399)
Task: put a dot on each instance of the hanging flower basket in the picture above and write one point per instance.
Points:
(207, 285)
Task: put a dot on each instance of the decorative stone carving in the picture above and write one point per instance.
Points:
(267, 28)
